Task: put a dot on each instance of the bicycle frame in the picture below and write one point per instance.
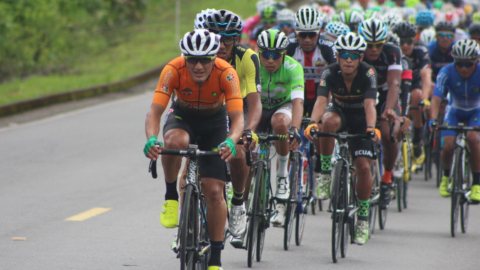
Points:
(304, 150)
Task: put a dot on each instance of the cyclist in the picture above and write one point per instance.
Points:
(313, 54)
(333, 30)
(351, 18)
(421, 82)
(246, 63)
(386, 59)
(428, 35)
(461, 80)
(353, 86)
(474, 31)
(268, 17)
(424, 20)
(441, 50)
(202, 84)
(285, 22)
(282, 100)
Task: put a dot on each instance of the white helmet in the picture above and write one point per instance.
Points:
(200, 20)
(466, 49)
(391, 19)
(427, 35)
(307, 20)
(372, 30)
(392, 38)
(285, 15)
(263, 4)
(336, 29)
(350, 42)
(200, 42)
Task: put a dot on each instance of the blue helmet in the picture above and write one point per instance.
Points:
(425, 18)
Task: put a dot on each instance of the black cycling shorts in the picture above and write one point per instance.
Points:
(416, 84)
(354, 122)
(208, 133)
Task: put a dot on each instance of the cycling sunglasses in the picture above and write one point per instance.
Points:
(282, 25)
(227, 41)
(409, 41)
(447, 35)
(372, 45)
(346, 55)
(204, 60)
(464, 64)
(307, 34)
(273, 55)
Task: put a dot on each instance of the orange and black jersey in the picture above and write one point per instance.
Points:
(201, 101)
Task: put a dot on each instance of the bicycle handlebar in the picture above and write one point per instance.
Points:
(459, 128)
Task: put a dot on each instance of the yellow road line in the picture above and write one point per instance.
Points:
(88, 214)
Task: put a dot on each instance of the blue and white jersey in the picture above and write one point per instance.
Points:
(464, 94)
(439, 59)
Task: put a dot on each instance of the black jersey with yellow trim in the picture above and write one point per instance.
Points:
(245, 61)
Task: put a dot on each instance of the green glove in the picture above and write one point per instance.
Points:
(150, 142)
(229, 142)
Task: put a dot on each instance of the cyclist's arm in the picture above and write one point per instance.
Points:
(394, 78)
(254, 88)
(439, 92)
(297, 112)
(233, 98)
(152, 123)
(297, 93)
(370, 111)
(426, 75)
(370, 98)
(406, 84)
(322, 96)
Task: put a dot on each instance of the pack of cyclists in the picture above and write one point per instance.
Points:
(354, 67)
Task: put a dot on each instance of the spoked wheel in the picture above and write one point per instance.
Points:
(349, 228)
(404, 194)
(188, 230)
(254, 219)
(292, 201)
(382, 218)
(374, 197)
(464, 203)
(456, 192)
(260, 241)
(427, 163)
(338, 206)
(301, 213)
(399, 194)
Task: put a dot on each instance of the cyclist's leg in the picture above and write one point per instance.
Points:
(280, 122)
(448, 143)
(473, 141)
(417, 117)
(176, 134)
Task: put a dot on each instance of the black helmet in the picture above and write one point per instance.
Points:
(224, 22)
(474, 29)
(405, 30)
(445, 26)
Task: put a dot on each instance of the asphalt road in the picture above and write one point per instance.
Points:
(82, 159)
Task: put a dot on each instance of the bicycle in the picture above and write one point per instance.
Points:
(460, 178)
(343, 199)
(435, 139)
(402, 170)
(193, 241)
(382, 213)
(261, 204)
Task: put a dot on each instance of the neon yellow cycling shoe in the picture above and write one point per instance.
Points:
(214, 268)
(443, 190)
(418, 154)
(475, 194)
(169, 215)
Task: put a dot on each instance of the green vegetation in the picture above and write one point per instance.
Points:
(114, 46)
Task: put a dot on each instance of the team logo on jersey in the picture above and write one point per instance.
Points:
(319, 64)
(394, 57)
(214, 94)
(171, 110)
(187, 92)
(166, 81)
(259, 88)
(230, 77)
(475, 89)
(288, 66)
(370, 73)
(323, 82)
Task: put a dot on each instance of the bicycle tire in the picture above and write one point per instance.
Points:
(313, 205)
(373, 209)
(427, 164)
(349, 225)
(464, 204)
(188, 229)
(291, 202)
(204, 238)
(399, 194)
(254, 216)
(439, 169)
(455, 192)
(301, 214)
(263, 219)
(338, 207)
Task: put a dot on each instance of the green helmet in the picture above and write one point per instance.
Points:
(411, 3)
(269, 14)
(437, 4)
(412, 18)
(342, 5)
(350, 16)
(272, 40)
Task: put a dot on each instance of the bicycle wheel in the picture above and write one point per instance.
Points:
(188, 229)
(464, 202)
(254, 220)
(349, 221)
(263, 218)
(301, 213)
(399, 187)
(292, 200)
(427, 164)
(204, 239)
(338, 206)
(439, 169)
(456, 190)
(374, 197)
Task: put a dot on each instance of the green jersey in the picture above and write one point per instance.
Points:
(282, 86)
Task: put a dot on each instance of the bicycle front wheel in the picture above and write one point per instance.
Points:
(456, 190)
(464, 203)
(254, 220)
(338, 207)
(188, 229)
(301, 213)
(292, 200)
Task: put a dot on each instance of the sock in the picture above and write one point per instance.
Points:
(318, 164)
(237, 198)
(326, 163)
(417, 135)
(282, 166)
(171, 193)
(446, 173)
(476, 178)
(216, 250)
(387, 177)
(363, 207)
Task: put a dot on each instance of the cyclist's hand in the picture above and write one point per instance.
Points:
(152, 152)
(309, 128)
(426, 104)
(296, 138)
(254, 139)
(376, 133)
(390, 115)
(227, 150)
(406, 123)
(432, 124)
